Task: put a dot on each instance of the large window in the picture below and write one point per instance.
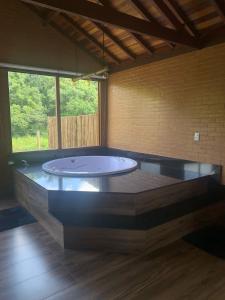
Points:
(32, 101)
(50, 113)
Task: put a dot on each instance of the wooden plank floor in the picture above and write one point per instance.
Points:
(33, 266)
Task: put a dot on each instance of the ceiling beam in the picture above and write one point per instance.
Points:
(210, 38)
(169, 15)
(146, 14)
(220, 7)
(137, 38)
(185, 19)
(59, 30)
(90, 38)
(113, 38)
(143, 11)
(102, 14)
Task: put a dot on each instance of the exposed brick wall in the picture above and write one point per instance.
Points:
(156, 108)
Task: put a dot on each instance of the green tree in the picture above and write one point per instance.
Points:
(33, 98)
(79, 97)
(28, 113)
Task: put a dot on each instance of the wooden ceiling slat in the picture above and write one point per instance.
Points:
(169, 15)
(146, 14)
(194, 15)
(104, 15)
(112, 42)
(115, 40)
(206, 18)
(200, 20)
(137, 38)
(215, 22)
(140, 40)
(183, 17)
(91, 38)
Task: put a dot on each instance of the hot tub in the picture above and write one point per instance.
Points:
(89, 165)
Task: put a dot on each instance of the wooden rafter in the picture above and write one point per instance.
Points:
(210, 38)
(104, 15)
(140, 40)
(58, 29)
(182, 15)
(115, 40)
(169, 15)
(146, 14)
(143, 11)
(90, 38)
(220, 7)
(137, 38)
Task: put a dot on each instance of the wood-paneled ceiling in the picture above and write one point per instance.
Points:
(124, 33)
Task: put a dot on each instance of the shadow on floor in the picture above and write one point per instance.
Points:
(15, 217)
(209, 239)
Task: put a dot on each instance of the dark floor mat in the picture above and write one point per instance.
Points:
(210, 239)
(15, 217)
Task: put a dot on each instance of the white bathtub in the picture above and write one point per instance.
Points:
(89, 165)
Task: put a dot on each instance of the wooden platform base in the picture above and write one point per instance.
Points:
(127, 240)
(132, 241)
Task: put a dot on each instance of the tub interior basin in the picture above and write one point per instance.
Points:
(89, 165)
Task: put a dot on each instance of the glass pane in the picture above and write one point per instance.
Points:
(32, 106)
(79, 113)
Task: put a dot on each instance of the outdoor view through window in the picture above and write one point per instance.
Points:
(33, 112)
